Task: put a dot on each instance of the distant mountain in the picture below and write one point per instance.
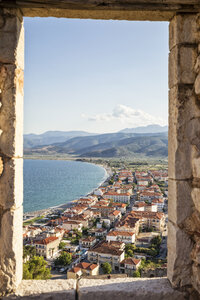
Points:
(109, 145)
(154, 128)
(51, 137)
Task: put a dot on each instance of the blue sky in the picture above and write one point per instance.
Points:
(93, 75)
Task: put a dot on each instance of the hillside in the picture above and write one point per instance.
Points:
(154, 128)
(109, 145)
(50, 137)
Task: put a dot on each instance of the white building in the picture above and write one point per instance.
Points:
(122, 197)
(121, 236)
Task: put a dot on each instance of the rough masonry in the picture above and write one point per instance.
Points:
(184, 142)
(184, 151)
(11, 147)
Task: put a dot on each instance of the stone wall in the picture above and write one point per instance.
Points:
(184, 146)
(11, 147)
(184, 152)
(157, 272)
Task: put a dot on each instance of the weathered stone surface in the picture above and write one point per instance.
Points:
(11, 183)
(45, 289)
(196, 198)
(127, 288)
(180, 205)
(196, 276)
(183, 29)
(11, 116)
(148, 9)
(197, 85)
(184, 124)
(12, 40)
(179, 269)
(182, 60)
(11, 249)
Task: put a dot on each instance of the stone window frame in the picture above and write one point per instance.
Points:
(184, 146)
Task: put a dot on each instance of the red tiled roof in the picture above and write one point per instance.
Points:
(47, 240)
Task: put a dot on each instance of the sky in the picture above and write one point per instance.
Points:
(93, 75)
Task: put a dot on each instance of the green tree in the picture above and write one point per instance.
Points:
(62, 245)
(136, 274)
(156, 241)
(64, 259)
(85, 230)
(107, 269)
(36, 268)
(130, 253)
(104, 225)
(78, 234)
(29, 251)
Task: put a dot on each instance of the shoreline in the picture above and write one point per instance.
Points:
(63, 206)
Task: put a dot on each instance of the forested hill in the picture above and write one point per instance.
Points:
(118, 144)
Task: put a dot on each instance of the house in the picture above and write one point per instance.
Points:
(71, 225)
(128, 223)
(87, 242)
(122, 236)
(115, 215)
(83, 269)
(83, 219)
(89, 201)
(129, 265)
(139, 206)
(118, 197)
(47, 247)
(149, 219)
(107, 252)
(100, 232)
(119, 206)
(142, 206)
(159, 203)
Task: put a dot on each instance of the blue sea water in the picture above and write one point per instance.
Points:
(50, 183)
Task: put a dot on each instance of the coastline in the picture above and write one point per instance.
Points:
(59, 208)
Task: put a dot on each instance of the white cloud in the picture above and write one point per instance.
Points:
(127, 116)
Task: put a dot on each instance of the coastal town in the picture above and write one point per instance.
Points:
(120, 229)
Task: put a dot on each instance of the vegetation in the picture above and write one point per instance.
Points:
(36, 219)
(85, 231)
(153, 250)
(62, 245)
(111, 145)
(63, 260)
(36, 268)
(29, 251)
(107, 269)
(136, 273)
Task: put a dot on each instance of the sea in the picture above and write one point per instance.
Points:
(49, 183)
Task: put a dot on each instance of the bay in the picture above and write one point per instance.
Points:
(50, 183)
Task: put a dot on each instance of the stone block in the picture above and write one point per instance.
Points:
(183, 28)
(12, 41)
(11, 249)
(182, 61)
(10, 19)
(11, 184)
(188, 58)
(184, 130)
(173, 67)
(127, 288)
(179, 263)
(180, 203)
(11, 116)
